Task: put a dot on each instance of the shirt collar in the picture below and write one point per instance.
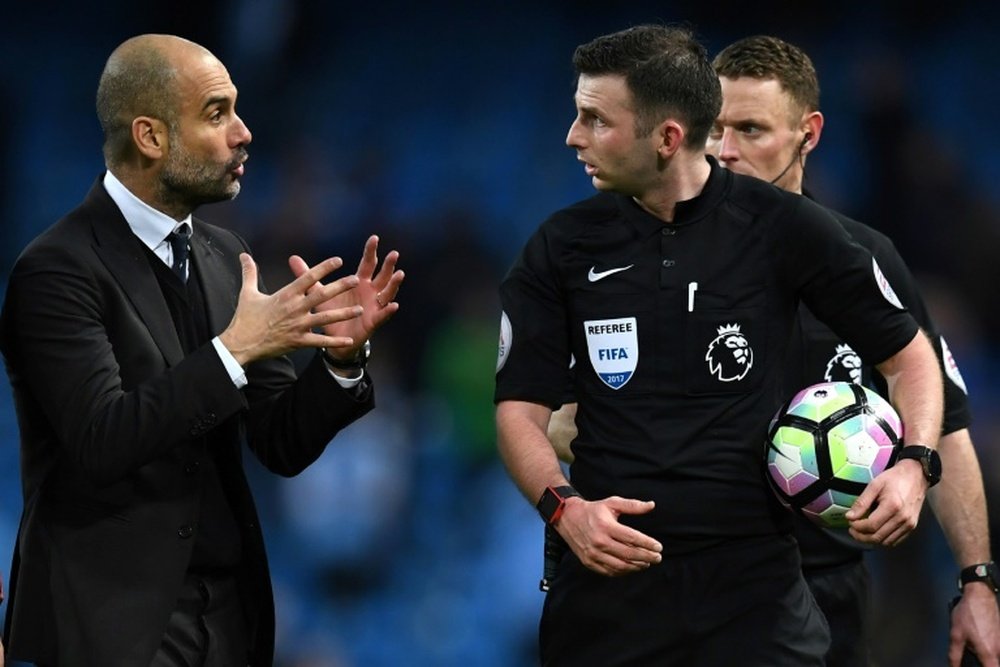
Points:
(151, 226)
(687, 211)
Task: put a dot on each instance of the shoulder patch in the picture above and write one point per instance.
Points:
(884, 286)
(506, 338)
(951, 367)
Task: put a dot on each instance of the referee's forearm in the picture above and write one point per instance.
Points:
(916, 390)
(524, 449)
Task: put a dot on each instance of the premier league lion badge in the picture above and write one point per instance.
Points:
(729, 356)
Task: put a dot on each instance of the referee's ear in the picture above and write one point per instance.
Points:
(811, 128)
(671, 135)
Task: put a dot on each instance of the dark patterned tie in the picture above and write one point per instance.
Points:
(179, 244)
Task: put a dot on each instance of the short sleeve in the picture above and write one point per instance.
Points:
(533, 360)
(841, 282)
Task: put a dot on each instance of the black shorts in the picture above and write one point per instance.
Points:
(741, 603)
(842, 592)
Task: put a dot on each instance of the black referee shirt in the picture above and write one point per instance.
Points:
(679, 332)
(819, 355)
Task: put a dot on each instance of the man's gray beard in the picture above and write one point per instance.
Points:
(191, 185)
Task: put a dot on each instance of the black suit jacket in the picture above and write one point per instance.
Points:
(111, 415)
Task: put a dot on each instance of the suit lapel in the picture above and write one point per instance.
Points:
(218, 279)
(125, 259)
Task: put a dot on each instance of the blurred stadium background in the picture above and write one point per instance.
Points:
(440, 126)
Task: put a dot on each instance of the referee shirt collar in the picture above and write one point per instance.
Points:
(685, 212)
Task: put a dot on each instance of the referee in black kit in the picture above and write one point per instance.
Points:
(674, 289)
(770, 121)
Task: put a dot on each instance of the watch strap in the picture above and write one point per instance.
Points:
(359, 361)
(984, 572)
(929, 459)
(553, 501)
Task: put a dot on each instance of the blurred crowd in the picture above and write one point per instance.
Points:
(440, 127)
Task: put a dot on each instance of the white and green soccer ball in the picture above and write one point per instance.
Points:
(826, 444)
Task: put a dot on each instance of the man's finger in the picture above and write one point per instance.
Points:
(385, 272)
(862, 505)
(297, 265)
(320, 293)
(334, 315)
(248, 268)
(637, 554)
(629, 505)
(391, 289)
(311, 276)
(898, 535)
(369, 257)
(640, 545)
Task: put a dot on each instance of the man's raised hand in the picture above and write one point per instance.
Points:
(375, 293)
(269, 325)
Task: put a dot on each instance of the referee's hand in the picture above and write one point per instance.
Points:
(889, 508)
(593, 532)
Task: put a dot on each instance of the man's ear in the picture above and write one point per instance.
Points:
(812, 128)
(150, 137)
(671, 135)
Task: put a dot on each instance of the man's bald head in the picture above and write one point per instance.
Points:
(139, 79)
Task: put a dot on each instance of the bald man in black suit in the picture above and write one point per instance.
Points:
(143, 355)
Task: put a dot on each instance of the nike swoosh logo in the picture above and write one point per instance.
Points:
(594, 276)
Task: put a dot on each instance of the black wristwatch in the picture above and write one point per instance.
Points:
(553, 502)
(984, 572)
(929, 460)
(357, 363)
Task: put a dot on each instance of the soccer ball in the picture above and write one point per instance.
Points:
(826, 444)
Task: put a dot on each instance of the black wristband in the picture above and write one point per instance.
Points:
(929, 459)
(984, 572)
(550, 505)
(359, 361)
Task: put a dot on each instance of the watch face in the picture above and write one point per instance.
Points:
(929, 459)
(548, 504)
(932, 467)
(984, 572)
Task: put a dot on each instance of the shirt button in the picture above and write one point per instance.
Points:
(669, 231)
(191, 468)
(185, 532)
(667, 263)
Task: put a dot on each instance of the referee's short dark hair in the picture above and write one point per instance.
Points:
(667, 71)
(766, 57)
